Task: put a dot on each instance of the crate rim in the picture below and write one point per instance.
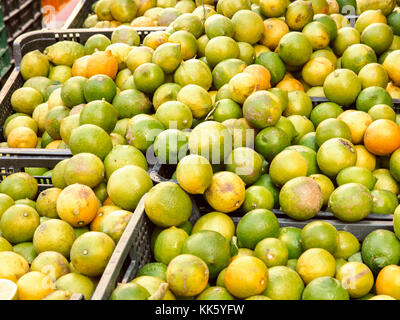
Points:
(47, 32)
(49, 36)
(51, 153)
(33, 151)
(120, 253)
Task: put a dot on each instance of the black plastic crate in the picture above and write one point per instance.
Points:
(40, 40)
(21, 16)
(163, 172)
(133, 250)
(18, 159)
(15, 160)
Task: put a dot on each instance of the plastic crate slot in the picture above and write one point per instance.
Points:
(27, 25)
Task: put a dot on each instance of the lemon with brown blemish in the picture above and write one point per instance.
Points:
(226, 192)
(77, 204)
